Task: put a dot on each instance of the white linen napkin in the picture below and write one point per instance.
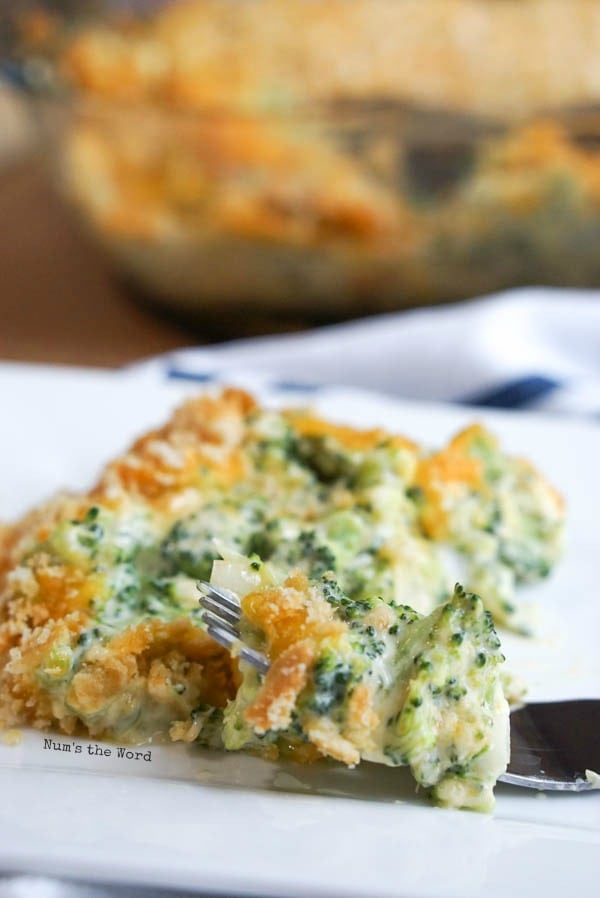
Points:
(31, 886)
(533, 347)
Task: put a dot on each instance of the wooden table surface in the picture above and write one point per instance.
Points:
(59, 299)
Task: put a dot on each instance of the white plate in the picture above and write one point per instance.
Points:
(229, 824)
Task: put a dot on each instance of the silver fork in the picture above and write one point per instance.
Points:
(553, 744)
(222, 613)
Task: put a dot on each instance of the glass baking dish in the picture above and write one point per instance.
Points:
(286, 156)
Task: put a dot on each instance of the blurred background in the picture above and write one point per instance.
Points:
(183, 172)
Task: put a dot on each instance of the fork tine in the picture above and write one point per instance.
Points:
(222, 613)
(224, 637)
(222, 596)
(256, 659)
(219, 610)
(213, 620)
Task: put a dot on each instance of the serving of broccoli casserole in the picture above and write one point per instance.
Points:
(336, 540)
(352, 155)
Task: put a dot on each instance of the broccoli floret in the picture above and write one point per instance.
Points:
(452, 726)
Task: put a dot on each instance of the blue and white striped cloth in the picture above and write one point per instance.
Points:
(531, 348)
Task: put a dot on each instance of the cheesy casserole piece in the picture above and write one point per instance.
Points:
(335, 539)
